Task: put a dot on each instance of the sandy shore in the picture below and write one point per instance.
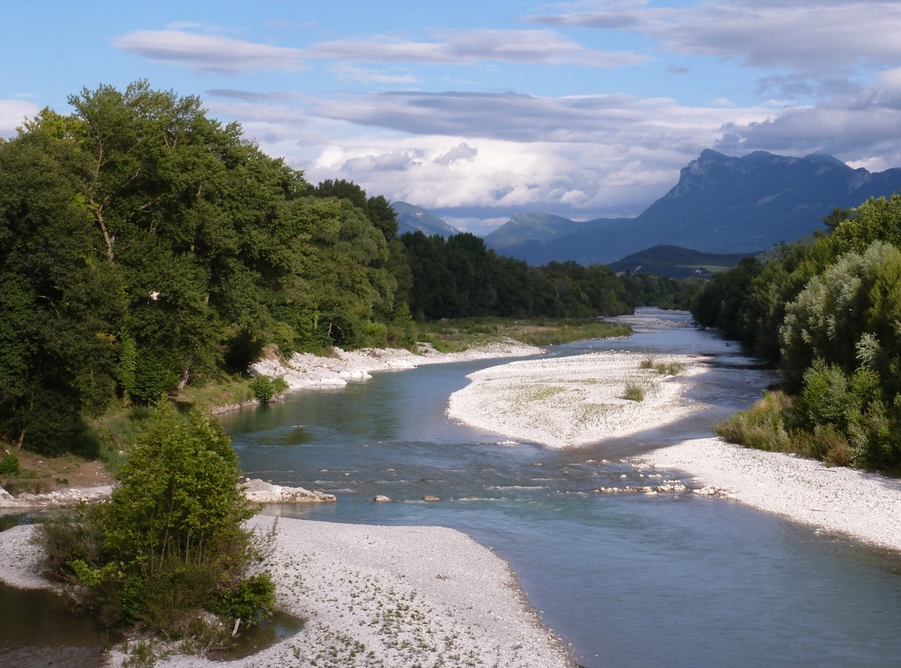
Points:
(373, 596)
(571, 401)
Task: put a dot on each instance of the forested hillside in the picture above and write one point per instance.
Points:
(145, 246)
(829, 313)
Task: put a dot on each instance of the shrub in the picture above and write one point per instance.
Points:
(9, 465)
(265, 388)
(172, 534)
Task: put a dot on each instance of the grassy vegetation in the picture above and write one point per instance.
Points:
(662, 368)
(459, 335)
(634, 391)
(767, 425)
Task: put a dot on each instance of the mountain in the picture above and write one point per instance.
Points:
(524, 229)
(676, 262)
(412, 219)
(721, 204)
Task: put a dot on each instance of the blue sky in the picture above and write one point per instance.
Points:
(477, 110)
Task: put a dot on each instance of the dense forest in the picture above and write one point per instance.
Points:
(145, 246)
(829, 314)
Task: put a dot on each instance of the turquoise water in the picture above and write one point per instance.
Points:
(628, 580)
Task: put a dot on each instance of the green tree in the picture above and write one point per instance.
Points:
(173, 531)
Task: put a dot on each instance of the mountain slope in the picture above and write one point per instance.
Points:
(721, 204)
(413, 218)
(676, 262)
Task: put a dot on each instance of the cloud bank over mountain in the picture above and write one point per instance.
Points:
(583, 109)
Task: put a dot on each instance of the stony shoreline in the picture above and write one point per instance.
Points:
(257, 491)
(371, 596)
(865, 506)
(305, 370)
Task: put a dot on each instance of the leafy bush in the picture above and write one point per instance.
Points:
(9, 465)
(762, 426)
(172, 534)
(265, 388)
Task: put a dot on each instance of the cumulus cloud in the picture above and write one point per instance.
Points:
(578, 169)
(858, 125)
(581, 157)
(12, 113)
(208, 53)
(459, 153)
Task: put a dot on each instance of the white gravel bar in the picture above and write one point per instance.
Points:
(372, 596)
(571, 401)
(568, 402)
(865, 506)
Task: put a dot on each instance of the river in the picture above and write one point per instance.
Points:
(627, 580)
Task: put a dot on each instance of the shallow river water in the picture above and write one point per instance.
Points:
(627, 580)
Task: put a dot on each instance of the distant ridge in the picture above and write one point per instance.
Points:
(413, 218)
(721, 204)
(676, 262)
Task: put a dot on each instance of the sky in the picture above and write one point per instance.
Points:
(477, 110)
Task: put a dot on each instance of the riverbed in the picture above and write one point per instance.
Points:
(671, 578)
(627, 579)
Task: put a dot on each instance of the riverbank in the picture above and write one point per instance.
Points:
(305, 370)
(372, 596)
(567, 402)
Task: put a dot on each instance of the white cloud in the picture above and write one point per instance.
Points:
(364, 76)
(12, 113)
(210, 53)
(471, 46)
(224, 55)
(813, 36)
(459, 153)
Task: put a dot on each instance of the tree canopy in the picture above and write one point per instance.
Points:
(829, 313)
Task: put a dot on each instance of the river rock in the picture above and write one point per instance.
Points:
(261, 491)
(63, 498)
(381, 498)
(427, 497)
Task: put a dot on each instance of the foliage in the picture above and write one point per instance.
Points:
(9, 465)
(457, 335)
(459, 277)
(172, 533)
(828, 313)
(145, 246)
(265, 388)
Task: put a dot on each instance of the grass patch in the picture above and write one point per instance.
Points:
(634, 391)
(767, 426)
(459, 335)
(228, 390)
(662, 368)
